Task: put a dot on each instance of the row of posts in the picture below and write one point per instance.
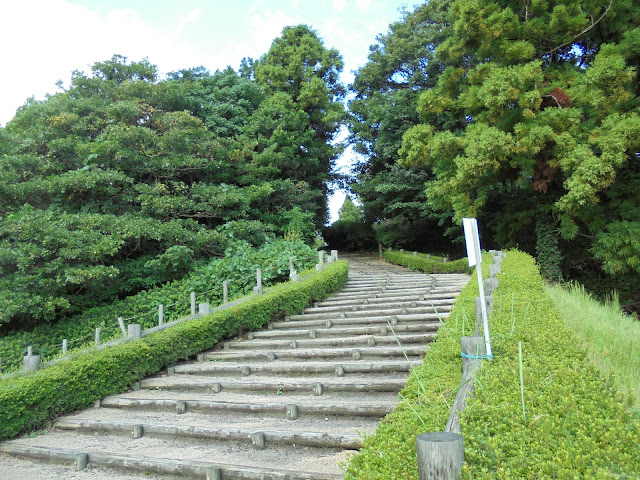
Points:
(441, 454)
(134, 331)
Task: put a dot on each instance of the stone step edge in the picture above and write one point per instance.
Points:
(340, 369)
(360, 340)
(188, 469)
(291, 410)
(383, 329)
(257, 437)
(310, 353)
(278, 387)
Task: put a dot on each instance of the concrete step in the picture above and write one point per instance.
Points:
(381, 352)
(363, 320)
(184, 468)
(429, 302)
(421, 325)
(289, 368)
(359, 341)
(389, 301)
(361, 313)
(290, 410)
(382, 383)
(257, 437)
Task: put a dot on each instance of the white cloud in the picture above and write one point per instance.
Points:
(190, 17)
(338, 5)
(49, 39)
(364, 5)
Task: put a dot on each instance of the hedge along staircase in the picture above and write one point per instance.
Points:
(287, 402)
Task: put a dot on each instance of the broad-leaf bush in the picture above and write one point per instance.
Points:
(28, 402)
(576, 424)
(238, 267)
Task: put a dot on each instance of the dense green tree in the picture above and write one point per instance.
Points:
(296, 126)
(386, 90)
(349, 212)
(533, 126)
(125, 181)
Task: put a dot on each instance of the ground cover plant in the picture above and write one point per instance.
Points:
(573, 422)
(28, 402)
(238, 267)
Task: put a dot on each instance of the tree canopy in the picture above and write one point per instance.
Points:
(123, 180)
(527, 119)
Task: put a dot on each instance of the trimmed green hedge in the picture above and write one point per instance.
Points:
(29, 402)
(575, 425)
(421, 263)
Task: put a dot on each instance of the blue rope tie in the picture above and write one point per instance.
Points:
(476, 357)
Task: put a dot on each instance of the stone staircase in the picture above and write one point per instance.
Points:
(288, 402)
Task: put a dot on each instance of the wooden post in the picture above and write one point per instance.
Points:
(160, 314)
(258, 288)
(97, 336)
(121, 323)
(31, 362)
(491, 285)
(193, 303)
(292, 269)
(134, 330)
(225, 291)
(440, 455)
(64, 346)
(489, 306)
(471, 347)
(80, 460)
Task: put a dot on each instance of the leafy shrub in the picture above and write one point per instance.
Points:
(575, 423)
(29, 401)
(238, 267)
(421, 263)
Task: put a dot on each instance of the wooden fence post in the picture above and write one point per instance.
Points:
(121, 323)
(225, 291)
(440, 455)
(258, 288)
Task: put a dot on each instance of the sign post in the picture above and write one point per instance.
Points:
(472, 240)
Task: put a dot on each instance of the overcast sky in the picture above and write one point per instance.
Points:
(43, 41)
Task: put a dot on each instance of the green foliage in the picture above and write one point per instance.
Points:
(123, 181)
(422, 263)
(384, 107)
(576, 424)
(238, 267)
(30, 401)
(547, 252)
(509, 111)
(349, 212)
(349, 236)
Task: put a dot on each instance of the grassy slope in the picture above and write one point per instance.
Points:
(611, 338)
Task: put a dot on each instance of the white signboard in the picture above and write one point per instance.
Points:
(472, 241)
